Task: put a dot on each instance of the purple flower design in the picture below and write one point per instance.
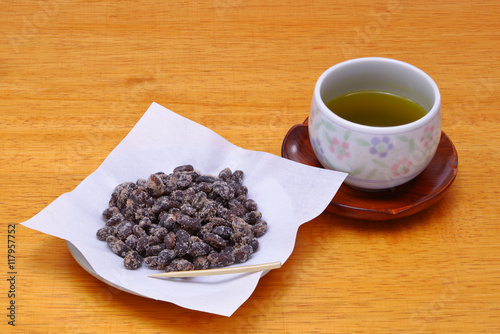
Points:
(380, 146)
(318, 149)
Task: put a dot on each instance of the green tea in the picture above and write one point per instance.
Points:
(376, 108)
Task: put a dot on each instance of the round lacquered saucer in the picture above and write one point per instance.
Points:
(420, 193)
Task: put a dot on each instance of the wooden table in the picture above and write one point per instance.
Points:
(77, 75)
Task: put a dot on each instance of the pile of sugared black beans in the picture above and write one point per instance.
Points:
(183, 221)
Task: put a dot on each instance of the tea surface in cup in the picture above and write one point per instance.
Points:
(376, 108)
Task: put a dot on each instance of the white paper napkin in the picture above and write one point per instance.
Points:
(288, 194)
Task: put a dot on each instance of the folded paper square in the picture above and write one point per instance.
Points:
(288, 194)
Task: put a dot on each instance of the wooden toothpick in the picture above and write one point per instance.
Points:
(219, 271)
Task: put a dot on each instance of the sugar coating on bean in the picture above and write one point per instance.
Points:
(132, 260)
(184, 220)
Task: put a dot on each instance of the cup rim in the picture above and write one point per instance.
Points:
(431, 114)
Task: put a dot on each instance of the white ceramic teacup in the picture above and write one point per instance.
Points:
(376, 158)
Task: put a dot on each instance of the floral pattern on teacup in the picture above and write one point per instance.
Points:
(340, 148)
(403, 167)
(427, 137)
(374, 158)
(320, 153)
(380, 146)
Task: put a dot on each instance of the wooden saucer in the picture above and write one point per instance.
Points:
(418, 194)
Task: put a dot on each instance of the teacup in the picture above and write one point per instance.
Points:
(376, 158)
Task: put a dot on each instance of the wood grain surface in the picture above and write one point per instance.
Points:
(75, 77)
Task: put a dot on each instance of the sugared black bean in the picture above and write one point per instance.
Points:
(251, 205)
(169, 240)
(105, 232)
(155, 185)
(253, 216)
(117, 246)
(124, 229)
(222, 259)
(110, 212)
(131, 241)
(152, 262)
(183, 168)
(182, 242)
(201, 263)
(222, 189)
(223, 231)
(260, 228)
(115, 220)
(243, 253)
(166, 256)
(237, 176)
(190, 224)
(199, 248)
(155, 249)
(215, 240)
(207, 179)
(132, 260)
(184, 180)
(179, 264)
